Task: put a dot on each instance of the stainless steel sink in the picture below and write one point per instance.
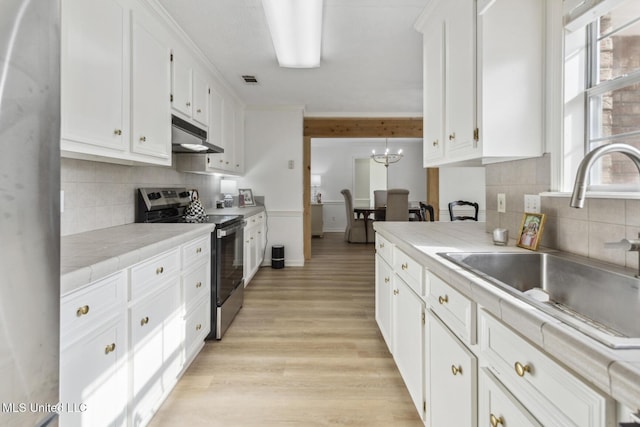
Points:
(601, 303)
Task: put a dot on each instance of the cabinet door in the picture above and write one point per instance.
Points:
(407, 322)
(156, 328)
(384, 291)
(94, 378)
(453, 379)
(181, 88)
(460, 77)
(238, 142)
(151, 108)
(498, 406)
(200, 99)
(216, 106)
(93, 75)
(434, 107)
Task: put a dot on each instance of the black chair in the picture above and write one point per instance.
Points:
(424, 208)
(463, 217)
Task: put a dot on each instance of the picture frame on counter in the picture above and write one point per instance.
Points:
(531, 230)
(245, 197)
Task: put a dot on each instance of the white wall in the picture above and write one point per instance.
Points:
(465, 183)
(333, 159)
(273, 137)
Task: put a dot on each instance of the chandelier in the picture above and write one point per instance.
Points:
(386, 158)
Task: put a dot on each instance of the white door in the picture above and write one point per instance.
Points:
(181, 88)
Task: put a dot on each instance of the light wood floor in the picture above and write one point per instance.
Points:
(304, 350)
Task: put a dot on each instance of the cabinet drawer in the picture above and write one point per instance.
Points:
(384, 248)
(410, 271)
(552, 394)
(153, 272)
(195, 285)
(196, 250)
(84, 309)
(496, 403)
(455, 309)
(197, 326)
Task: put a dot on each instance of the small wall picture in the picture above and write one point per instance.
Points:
(246, 195)
(531, 230)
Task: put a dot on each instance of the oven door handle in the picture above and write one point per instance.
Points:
(224, 232)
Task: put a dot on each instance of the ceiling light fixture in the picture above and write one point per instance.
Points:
(296, 31)
(386, 158)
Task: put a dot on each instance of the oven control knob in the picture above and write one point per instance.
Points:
(153, 196)
(184, 194)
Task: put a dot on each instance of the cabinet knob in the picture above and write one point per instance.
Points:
(199, 285)
(199, 111)
(381, 245)
(435, 143)
(198, 327)
(143, 139)
(495, 421)
(198, 250)
(110, 348)
(443, 299)
(396, 292)
(522, 369)
(117, 132)
(159, 270)
(188, 104)
(82, 311)
(208, 160)
(144, 321)
(455, 370)
(386, 280)
(452, 136)
(405, 265)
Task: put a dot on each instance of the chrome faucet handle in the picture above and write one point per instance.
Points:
(626, 244)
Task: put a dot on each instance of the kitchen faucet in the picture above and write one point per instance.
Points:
(580, 186)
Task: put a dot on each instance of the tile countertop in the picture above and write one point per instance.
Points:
(615, 372)
(87, 257)
(246, 212)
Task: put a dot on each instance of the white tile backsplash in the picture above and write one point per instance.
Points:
(100, 195)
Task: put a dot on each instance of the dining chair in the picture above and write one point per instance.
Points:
(357, 230)
(379, 201)
(424, 208)
(397, 205)
(453, 217)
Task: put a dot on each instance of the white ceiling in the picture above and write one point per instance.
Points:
(371, 55)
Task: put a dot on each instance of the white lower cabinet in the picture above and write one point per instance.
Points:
(156, 357)
(498, 407)
(384, 294)
(254, 244)
(452, 379)
(124, 345)
(93, 351)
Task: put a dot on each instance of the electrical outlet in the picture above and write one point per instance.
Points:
(502, 203)
(532, 203)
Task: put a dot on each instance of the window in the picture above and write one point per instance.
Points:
(612, 93)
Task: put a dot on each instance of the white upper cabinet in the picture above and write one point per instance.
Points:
(190, 90)
(483, 81)
(114, 84)
(151, 114)
(93, 74)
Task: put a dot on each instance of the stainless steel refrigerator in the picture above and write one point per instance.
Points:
(29, 211)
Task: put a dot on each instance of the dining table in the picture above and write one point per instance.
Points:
(380, 211)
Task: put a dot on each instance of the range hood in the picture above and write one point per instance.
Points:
(188, 138)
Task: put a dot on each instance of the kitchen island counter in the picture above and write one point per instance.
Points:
(614, 372)
(93, 255)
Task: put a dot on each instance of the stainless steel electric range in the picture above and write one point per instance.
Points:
(168, 205)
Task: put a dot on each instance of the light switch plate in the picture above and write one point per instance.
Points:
(502, 203)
